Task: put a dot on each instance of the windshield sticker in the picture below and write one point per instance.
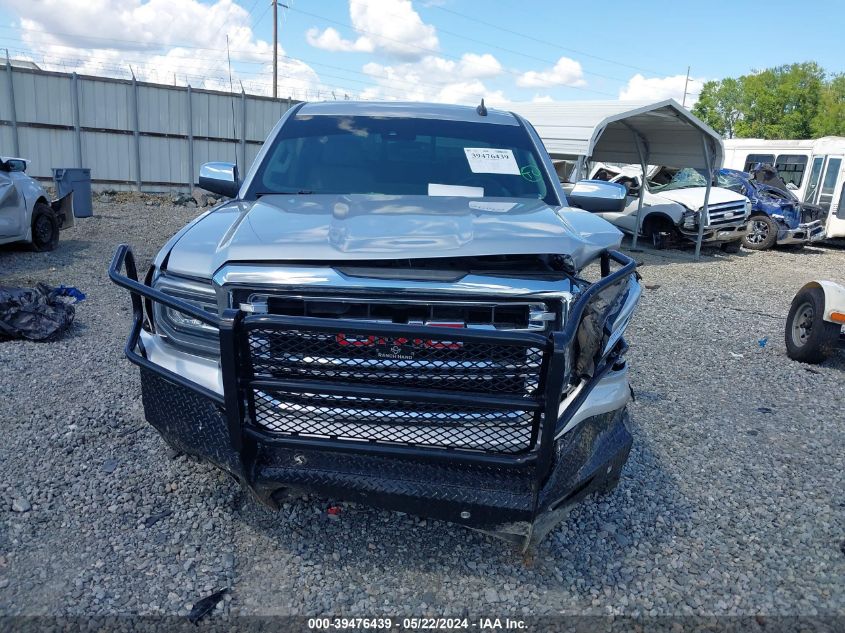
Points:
(531, 173)
(455, 190)
(485, 160)
(497, 207)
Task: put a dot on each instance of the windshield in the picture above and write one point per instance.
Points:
(402, 156)
(682, 179)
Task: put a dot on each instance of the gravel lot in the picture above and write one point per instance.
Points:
(732, 501)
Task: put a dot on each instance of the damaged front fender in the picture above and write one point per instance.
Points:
(63, 208)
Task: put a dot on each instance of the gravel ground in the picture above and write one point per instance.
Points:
(731, 503)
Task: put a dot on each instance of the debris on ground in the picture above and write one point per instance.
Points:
(206, 605)
(155, 518)
(21, 505)
(37, 314)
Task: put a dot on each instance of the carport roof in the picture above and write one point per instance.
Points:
(602, 131)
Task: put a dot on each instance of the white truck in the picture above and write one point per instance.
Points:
(671, 206)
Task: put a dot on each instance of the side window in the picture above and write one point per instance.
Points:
(791, 168)
(753, 159)
(813, 182)
(831, 174)
(840, 211)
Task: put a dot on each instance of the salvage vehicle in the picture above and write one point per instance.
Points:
(815, 321)
(26, 214)
(777, 216)
(672, 204)
(394, 308)
(814, 170)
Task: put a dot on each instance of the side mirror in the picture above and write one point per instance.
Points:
(15, 164)
(598, 195)
(220, 178)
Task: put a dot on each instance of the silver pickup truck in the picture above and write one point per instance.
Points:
(394, 308)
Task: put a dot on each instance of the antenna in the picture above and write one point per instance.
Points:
(482, 111)
(232, 96)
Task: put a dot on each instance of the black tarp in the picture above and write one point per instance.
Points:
(37, 314)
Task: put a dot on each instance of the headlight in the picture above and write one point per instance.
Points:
(181, 329)
(690, 219)
(747, 208)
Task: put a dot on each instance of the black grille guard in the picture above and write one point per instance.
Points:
(241, 383)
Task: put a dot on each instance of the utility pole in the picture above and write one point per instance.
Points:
(686, 83)
(276, 5)
(276, 49)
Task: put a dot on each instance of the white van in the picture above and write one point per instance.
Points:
(814, 169)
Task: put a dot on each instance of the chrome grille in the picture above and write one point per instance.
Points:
(726, 213)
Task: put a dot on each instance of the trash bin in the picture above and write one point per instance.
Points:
(77, 180)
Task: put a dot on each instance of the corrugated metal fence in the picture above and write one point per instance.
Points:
(132, 135)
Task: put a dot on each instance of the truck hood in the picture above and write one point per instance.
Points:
(342, 228)
(693, 197)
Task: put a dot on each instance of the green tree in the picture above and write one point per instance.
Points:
(830, 118)
(794, 101)
(781, 102)
(719, 105)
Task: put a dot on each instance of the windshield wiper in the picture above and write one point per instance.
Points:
(301, 192)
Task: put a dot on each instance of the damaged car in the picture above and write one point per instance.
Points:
(397, 307)
(26, 213)
(777, 216)
(672, 205)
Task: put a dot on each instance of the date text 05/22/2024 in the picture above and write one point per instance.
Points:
(414, 624)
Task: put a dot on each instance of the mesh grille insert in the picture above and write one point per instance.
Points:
(441, 364)
(410, 364)
(390, 421)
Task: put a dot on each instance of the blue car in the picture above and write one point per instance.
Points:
(777, 216)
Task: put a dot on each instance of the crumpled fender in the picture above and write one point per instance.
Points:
(834, 297)
(63, 208)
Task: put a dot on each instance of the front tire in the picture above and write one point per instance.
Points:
(762, 233)
(809, 338)
(45, 228)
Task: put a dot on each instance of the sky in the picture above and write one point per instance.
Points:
(452, 51)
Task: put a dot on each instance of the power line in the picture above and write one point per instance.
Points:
(177, 64)
(425, 49)
(463, 36)
(545, 42)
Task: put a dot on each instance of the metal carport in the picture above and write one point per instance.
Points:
(660, 133)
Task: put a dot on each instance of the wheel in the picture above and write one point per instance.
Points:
(809, 338)
(762, 233)
(731, 247)
(45, 228)
(658, 231)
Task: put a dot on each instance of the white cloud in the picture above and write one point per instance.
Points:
(473, 65)
(331, 40)
(566, 72)
(162, 40)
(542, 99)
(434, 78)
(640, 88)
(391, 27)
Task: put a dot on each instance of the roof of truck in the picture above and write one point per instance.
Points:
(408, 109)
